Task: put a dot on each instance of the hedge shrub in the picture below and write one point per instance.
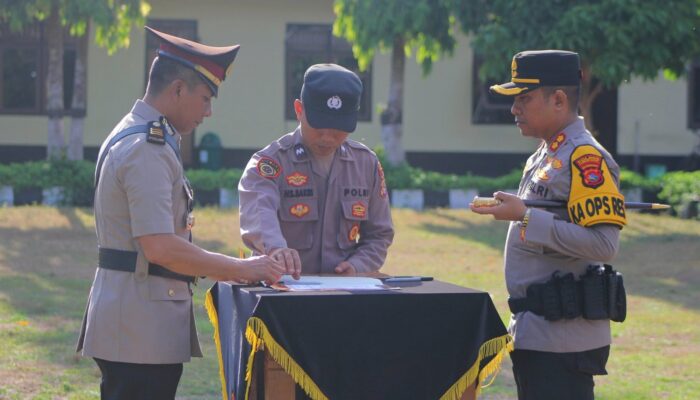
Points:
(202, 179)
(76, 177)
(679, 188)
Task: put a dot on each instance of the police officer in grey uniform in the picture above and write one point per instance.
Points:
(556, 356)
(313, 199)
(139, 324)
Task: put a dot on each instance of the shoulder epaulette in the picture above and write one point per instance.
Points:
(357, 145)
(156, 133)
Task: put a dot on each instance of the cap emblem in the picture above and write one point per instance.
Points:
(514, 68)
(334, 102)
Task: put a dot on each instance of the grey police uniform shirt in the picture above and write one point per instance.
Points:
(285, 201)
(552, 243)
(134, 317)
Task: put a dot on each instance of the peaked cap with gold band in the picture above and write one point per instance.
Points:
(213, 64)
(533, 69)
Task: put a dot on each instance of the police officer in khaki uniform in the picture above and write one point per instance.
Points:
(556, 358)
(139, 323)
(314, 199)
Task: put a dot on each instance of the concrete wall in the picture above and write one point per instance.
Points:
(249, 112)
(652, 118)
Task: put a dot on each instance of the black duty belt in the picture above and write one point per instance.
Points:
(597, 294)
(124, 260)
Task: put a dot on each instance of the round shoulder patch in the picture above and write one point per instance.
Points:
(269, 168)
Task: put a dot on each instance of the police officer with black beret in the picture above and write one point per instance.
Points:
(314, 199)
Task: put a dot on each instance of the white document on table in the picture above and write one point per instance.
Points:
(324, 283)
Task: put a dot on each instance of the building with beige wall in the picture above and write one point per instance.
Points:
(650, 119)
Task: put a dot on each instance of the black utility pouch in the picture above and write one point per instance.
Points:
(551, 299)
(617, 298)
(570, 298)
(595, 294)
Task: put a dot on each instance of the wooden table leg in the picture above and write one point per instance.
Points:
(278, 384)
(470, 393)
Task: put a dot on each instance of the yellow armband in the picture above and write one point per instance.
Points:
(594, 197)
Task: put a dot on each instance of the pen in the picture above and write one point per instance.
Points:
(408, 279)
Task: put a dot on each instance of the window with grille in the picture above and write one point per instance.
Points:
(488, 108)
(23, 68)
(307, 44)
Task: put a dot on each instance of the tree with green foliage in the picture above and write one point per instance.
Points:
(112, 20)
(402, 27)
(617, 39)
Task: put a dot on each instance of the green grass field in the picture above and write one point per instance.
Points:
(47, 259)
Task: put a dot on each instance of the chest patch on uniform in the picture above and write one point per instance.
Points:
(590, 169)
(554, 162)
(355, 192)
(359, 210)
(269, 168)
(297, 179)
(155, 133)
(291, 193)
(299, 210)
(537, 189)
(594, 197)
(557, 142)
(382, 183)
(354, 233)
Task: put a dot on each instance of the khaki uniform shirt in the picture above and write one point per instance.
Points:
(134, 317)
(551, 242)
(286, 201)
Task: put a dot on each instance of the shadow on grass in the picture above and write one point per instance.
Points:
(53, 309)
(662, 266)
(665, 267)
(491, 234)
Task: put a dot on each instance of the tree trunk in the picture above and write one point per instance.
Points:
(75, 143)
(590, 89)
(54, 84)
(391, 118)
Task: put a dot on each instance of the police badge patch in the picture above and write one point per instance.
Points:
(297, 179)
(269, 168)
(359, 210)
(589, 166)
(299, 210)
(354, 233)
(382, 187)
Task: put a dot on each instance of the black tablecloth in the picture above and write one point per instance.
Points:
(425, 341)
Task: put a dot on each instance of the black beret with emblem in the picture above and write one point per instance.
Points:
(536, 68)
(331, 97)
(213, 64)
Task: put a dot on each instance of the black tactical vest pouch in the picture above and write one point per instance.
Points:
(617, 298)
(595, 295)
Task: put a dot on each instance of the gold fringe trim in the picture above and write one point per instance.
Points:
(259, 337)
(499, 347)
(214, 319)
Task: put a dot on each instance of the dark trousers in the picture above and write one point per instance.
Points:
(543, 375)
(127, 381)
